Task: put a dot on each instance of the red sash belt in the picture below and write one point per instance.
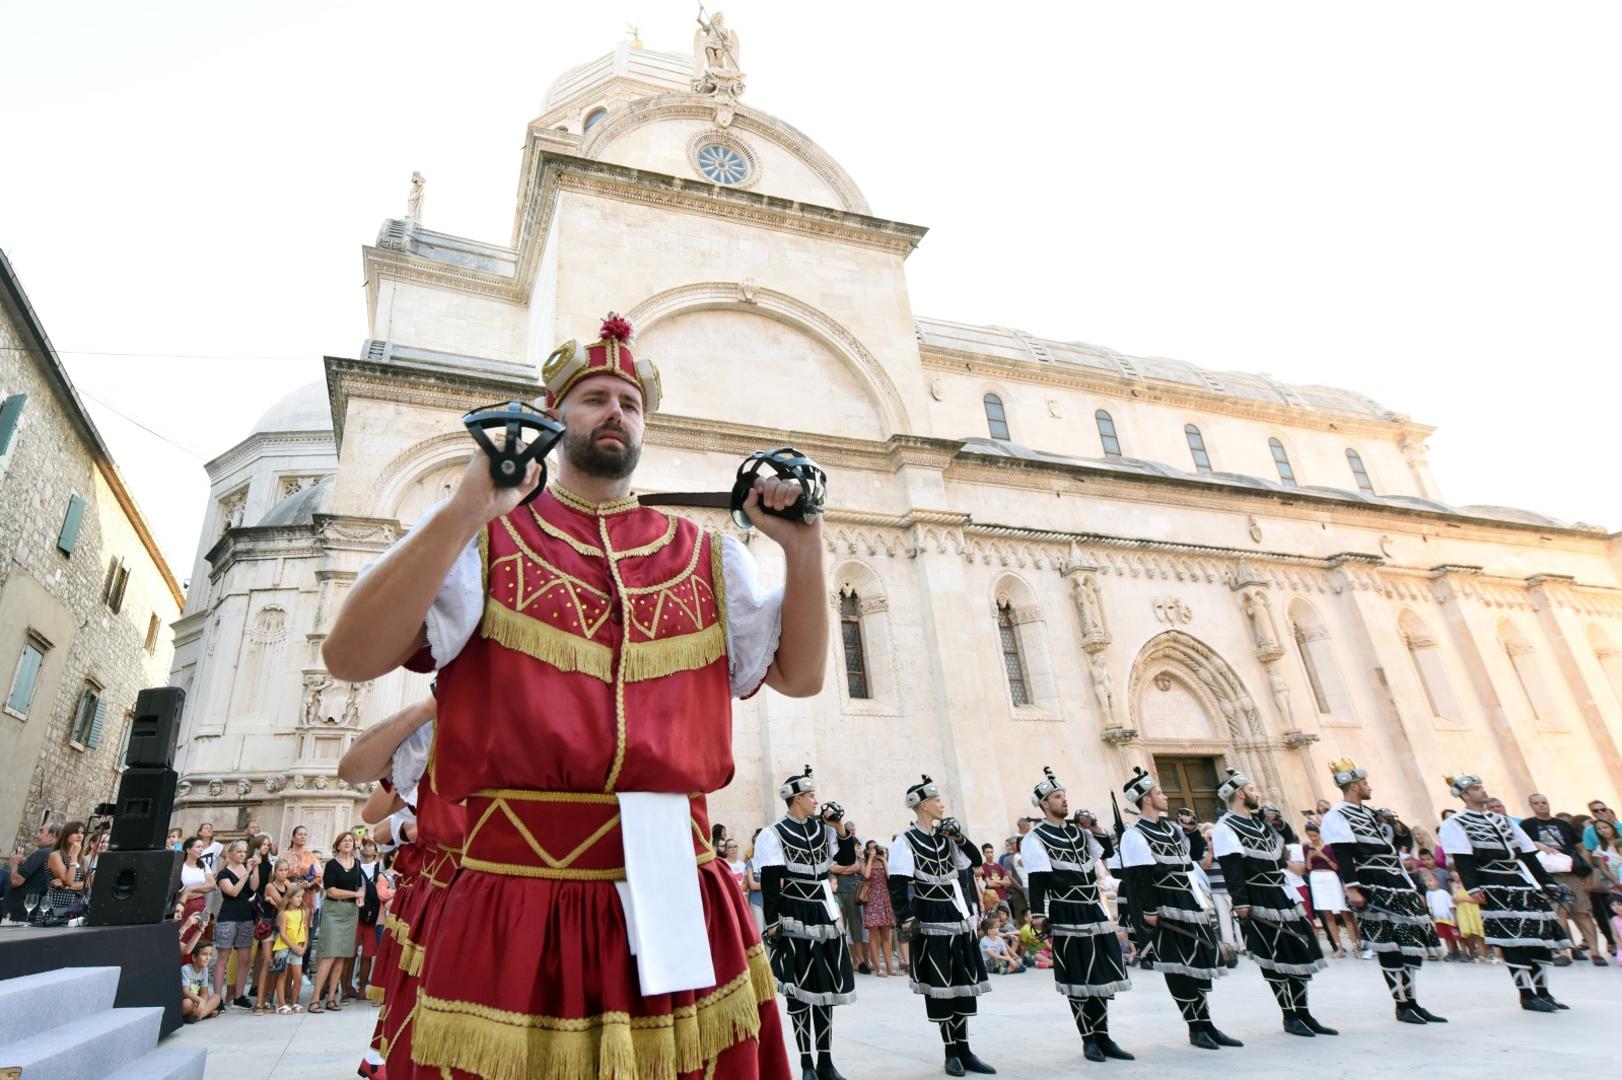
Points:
(558, 835)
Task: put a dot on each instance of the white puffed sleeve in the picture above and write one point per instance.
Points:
(768, 848)
(901, 864)
(754, 619)
(458, 606)
(1333, 828)
(1452, 838)
(1134, 849)
(410, 762)
(1224, 841)
(1034, 854)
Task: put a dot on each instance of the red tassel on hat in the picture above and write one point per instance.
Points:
(616, 328)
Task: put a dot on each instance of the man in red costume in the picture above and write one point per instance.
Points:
(588, 649)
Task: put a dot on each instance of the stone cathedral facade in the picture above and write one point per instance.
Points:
(1039, 552)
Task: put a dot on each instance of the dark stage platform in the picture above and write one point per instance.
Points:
(148, 959)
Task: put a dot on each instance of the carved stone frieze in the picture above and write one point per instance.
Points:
(1172, 611)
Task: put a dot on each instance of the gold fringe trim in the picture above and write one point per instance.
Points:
(562, 650)
(652, 545)
(666, 656)
(374, 992)
(501, 1045)
(718, 582)
(760, 971)
(411, 959)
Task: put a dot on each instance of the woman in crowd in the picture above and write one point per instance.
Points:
(66, 863)
(735, 863)
(757, 899)
(271, 897)
(1328, 895)
(237, 881)
(95, 848)
(877, 915)
(344, 893)
(292, 942)
(304, 866)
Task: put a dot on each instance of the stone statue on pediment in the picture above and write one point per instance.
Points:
(415, 197)
(715, 48)
(716, 67)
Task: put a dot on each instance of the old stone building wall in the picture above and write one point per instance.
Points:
(58, 599)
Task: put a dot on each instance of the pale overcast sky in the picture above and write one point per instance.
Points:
(1415, 201)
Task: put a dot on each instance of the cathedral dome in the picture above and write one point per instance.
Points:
(300, 507)
(305, 409)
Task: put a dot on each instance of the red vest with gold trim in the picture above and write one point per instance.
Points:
(600, 663)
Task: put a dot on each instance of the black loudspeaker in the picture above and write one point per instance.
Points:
(141, 815)
(156, 728)
(134, 887)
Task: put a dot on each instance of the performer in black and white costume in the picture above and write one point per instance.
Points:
(939, 921)
(1060, 864)
(1173, 923)
(1497, 864)
(1276, 929)
(810, 958)
(1392, 917)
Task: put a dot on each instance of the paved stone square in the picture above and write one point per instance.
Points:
(1024, 1029)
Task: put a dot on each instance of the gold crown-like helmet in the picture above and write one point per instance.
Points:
(610, 354)
(1346, 772)
(1461, 782)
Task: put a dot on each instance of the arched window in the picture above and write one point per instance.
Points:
(850, 631)
(1196, 446)
(996, 419)
(1425, 651)
(1524, 660)
(1317, 653)
(1106, 434)
(593, 118)
(1314, 680)
(1360, 474)
(1282, 460)
(1012, 657)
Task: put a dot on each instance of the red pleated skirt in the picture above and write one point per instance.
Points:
(532, 978)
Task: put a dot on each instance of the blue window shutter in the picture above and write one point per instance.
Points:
(93, 740)
(22, 690)
(70, 525)
(9, 413)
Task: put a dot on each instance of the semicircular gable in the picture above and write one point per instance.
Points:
(664, 133)
(712, 340)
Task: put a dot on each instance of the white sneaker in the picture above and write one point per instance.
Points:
(1366, 954)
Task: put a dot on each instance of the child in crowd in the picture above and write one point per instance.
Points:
(292, 942)
(1467, 921)
(1010, 936)
(1440, 902)
(1033, 945)
(1444, 879)
(197, 1001)
(999, 961)
(1616, 926)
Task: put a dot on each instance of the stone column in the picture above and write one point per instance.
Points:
(1373, 625)
(1559, 628)
(1470, 642)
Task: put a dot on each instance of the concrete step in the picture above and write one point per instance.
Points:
(31, 1004)
(90, 1046)
(165, 1063)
